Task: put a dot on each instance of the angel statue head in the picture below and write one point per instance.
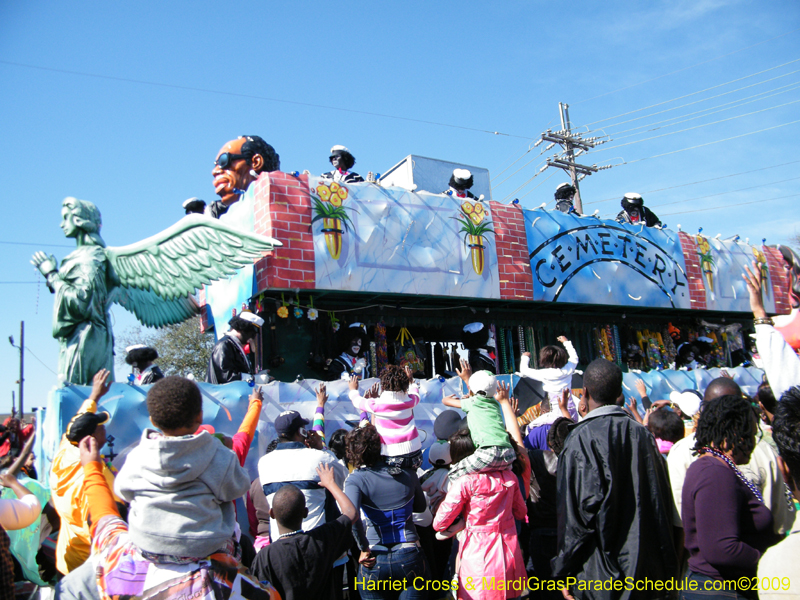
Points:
(81, 220)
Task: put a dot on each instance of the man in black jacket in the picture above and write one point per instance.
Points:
(634, 211)
(616, 514)
(228, 360)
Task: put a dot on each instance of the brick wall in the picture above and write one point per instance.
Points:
(694, 274)
(779, 279)
(514, 266)
(283, 211)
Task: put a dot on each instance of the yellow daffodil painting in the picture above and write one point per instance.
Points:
(328, 207)
(761, 259)
(706, 261)
(474, 226)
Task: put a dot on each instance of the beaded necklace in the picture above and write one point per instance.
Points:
(750, 485)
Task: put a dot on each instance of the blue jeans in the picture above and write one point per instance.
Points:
(387, 576)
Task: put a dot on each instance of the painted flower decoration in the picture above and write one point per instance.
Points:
(703, 245)
(313, 314)
(759, 255)
(298, 312)
(283, 312)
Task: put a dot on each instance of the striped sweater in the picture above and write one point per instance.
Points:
(394, 419)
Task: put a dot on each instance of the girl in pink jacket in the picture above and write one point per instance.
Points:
(490, 564)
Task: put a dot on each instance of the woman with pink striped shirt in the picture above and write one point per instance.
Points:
(394, 416)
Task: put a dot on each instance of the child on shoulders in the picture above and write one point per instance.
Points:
(556, 368)
(181, 485)
(394, 416)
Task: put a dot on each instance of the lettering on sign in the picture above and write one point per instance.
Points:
(557, 260)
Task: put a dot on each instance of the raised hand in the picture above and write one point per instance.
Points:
(322, 395)
(374, 391)
(466, 371)
(502, 392)
(325, 473)
(563, 339)
(409, 373)
(88, 450)
(753, 279)
(353, 383)
(101, 384)
(641, 388)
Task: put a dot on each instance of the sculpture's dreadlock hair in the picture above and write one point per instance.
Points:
(726, 423)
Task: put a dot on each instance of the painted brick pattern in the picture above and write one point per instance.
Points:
(779, 278)
(516, 280)
(694, 274)
(283, 211)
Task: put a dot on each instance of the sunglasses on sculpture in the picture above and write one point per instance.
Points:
(226, 159)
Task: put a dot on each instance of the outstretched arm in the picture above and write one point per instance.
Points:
(781, 364)
(451, 401)
(100, 387)
(244, 437)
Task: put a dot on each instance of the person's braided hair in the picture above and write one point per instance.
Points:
(786, 431)
(394, 379)
(726, 423)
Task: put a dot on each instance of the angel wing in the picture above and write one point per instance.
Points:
(152, 310)
(195, 251)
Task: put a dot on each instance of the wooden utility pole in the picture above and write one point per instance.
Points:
(569, 141)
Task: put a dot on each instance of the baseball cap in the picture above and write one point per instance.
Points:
(439, 454)
(289, 421)
(483, 383)
(446, 424)
(687, 400)
(85, 424)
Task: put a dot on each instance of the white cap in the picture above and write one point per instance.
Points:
(439, 454)
(483, 383)
(135, 347)
(688, 402)
(633, 196)
(462, 174)
(339, 148)
(189, 201)
(251, 318)
(473, 327)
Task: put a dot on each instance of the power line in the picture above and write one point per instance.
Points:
(539, 184)
(254, 97)
(37, 244)
(522, 167)
(686, 212)
(729, 105)
(753, 187)
(29, 351)
(672, 187)
(713, 87)
(711, 143)
(655, 137)
(686, 68)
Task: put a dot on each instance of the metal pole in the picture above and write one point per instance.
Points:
(566, 126)
(21, 367)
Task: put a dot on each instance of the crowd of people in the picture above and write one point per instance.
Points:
(579, 497)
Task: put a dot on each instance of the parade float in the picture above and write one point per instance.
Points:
(412, 268)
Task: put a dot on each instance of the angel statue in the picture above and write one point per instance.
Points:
(154, 279)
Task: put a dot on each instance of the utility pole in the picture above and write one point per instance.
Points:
(569, 141)
(21, 367)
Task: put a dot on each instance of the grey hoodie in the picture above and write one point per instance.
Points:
(181, 492)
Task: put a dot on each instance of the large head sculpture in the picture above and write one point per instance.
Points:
(239, 163)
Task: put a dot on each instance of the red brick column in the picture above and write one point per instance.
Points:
(779, 278)
(513, 264)
(283, 211)
(694, 274)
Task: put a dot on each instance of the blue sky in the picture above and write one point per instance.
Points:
(127, 104)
